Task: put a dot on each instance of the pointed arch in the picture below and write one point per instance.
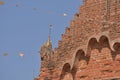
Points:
(104, 42)
(116, 47)
(66, 70)
(66, 67)
(95, 45)
(92, 44)
(80, 62)
(79, 55)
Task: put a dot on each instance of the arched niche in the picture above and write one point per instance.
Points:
(116, 47)
(66, 72)
(95, 47)
(66, 67)
(104, 42)
(92, 44)
(80, 60)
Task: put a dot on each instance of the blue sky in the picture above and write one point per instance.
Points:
(24, 27)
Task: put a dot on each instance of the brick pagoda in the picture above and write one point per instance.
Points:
(90, 47)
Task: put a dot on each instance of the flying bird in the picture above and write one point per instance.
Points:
(5, 54)
(64, 14)
(17, 5)
(21, 54)
(34, 9)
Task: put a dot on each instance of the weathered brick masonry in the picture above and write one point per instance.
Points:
(90, 47)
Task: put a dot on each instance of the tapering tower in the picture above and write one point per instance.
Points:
(46, 53)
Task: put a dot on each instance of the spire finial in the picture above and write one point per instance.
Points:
(50, 28)
(48, 43)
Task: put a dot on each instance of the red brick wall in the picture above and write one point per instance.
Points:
(98, 20)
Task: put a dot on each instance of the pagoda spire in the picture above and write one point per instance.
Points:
(49, 43)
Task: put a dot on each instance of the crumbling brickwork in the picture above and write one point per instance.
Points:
(90, 47)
